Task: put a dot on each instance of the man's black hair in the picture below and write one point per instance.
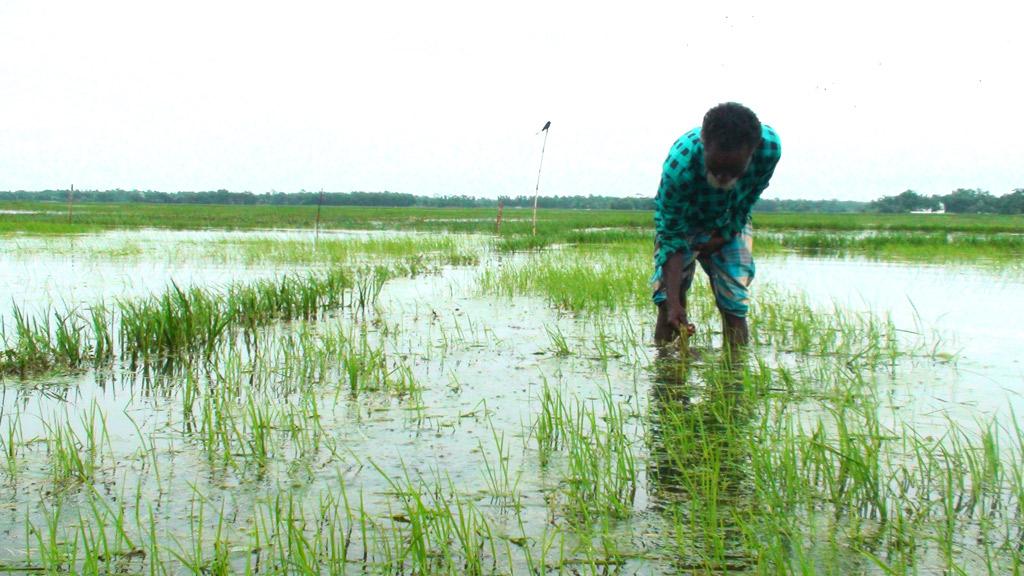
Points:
(731, 126)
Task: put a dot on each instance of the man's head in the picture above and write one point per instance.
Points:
(730, 133)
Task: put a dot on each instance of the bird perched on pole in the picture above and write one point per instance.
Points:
(546, 126)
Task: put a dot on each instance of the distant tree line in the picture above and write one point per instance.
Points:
(581, 202)
(958, 201)
(220, 197)
(818, 206)
(304, 198)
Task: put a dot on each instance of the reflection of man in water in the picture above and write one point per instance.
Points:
(688, 417)
(699, 464)
(710, 181)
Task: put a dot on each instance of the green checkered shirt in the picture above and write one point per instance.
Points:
(687, 204)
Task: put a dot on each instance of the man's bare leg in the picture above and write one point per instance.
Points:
(663, 331)
(735, 330)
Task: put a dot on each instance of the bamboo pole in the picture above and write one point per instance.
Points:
(536, 191)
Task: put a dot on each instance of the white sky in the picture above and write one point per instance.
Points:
(869, 98)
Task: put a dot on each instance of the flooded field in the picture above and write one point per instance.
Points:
(413, 403)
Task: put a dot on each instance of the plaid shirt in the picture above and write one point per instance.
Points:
(687, 204)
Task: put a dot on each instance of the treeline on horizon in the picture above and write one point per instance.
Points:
(958, 201)
(397, 199)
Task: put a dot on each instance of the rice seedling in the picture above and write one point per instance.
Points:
(69, 347)
(12, 440)
(624, 338)
(102, 338)
(76, 457)
(195, 555)
(442, 533)
(106, 544)
(52, 552)
(572, 284)
(559, 343)
(31, 350)
(502, 482)
(368, 286)
(601, 469)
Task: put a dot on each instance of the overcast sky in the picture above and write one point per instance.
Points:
(433, 98)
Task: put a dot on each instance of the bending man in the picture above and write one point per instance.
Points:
(709, 183)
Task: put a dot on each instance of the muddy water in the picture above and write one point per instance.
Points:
(481, 364)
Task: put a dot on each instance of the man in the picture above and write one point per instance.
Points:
(710, 181)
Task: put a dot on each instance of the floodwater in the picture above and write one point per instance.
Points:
(481, 364)
(44, 273)
(971, 311)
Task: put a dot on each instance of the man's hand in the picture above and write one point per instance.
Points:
(678, 320)
(714, 244)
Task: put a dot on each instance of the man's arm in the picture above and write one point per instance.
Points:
(673, 203)
(675, 199)
(672, 273)
(672, 207)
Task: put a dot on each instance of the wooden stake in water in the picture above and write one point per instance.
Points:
(497, 224)
(536, 191)
(316, 233)
(71, 202)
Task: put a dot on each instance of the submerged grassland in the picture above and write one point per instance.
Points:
(916, 237)
(482, 404)
(42, 217)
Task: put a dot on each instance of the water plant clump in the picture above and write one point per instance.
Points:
(178, 322)
(195, 321)
(752, 476)
(936, 247)
(39, 345)
(600, 467)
